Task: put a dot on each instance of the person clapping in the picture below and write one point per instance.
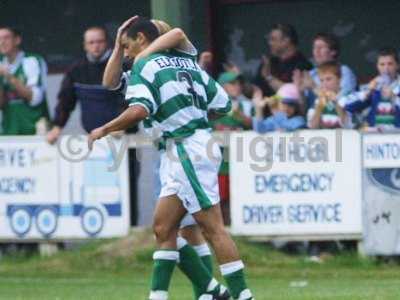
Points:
(286, 108)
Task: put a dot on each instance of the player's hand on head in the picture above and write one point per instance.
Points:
(128, 23)
(124, 27)
(94, 135)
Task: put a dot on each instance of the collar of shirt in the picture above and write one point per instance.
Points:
(103, 58)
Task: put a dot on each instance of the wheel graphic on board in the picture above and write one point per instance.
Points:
(92, 220)
(20, 221)
(46, 221)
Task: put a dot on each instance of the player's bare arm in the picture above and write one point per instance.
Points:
(175, 38)
(112, 72)
(131, 116)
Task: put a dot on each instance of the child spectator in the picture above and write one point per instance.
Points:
(328, 111)
(286, 111)
(381, 96)
(242, 108)
(326, 48)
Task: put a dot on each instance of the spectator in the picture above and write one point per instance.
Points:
(326, 48)
(206, 61)
(286, 111)
(381, 96)
(83, 83)
(22, 86)
(285, 57)
(328, 110)
(242, 107)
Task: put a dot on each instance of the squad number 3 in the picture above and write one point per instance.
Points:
(187, 80)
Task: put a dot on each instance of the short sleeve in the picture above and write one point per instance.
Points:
(217, 99)
(35, 70)
(189, 49)
(139, 92)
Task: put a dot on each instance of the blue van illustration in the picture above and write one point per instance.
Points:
(99, 197)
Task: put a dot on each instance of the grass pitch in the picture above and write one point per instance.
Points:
(120, 269)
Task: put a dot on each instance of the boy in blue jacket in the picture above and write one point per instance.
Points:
(379, 101)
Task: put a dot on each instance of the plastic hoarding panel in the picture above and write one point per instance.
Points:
(280, 186)
(45, 196)
(381, 203)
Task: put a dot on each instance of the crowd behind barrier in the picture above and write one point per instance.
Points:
(289, 91)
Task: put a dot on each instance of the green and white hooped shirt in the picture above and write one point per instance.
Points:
(20, 116)
(176, 92)
(329, 116)
(385, 111)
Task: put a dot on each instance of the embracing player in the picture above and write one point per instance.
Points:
(177, 96)
(194, 254)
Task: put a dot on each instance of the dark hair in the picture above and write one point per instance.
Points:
(288, 31)
(296, 107)
(13, 30)
(331, 40)
(144, 26)
(100, 28)
(331, 67)
(389, 51)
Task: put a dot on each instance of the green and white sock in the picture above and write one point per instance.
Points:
(205, 255)
(193, 267)
(164, 263)
(234, 276)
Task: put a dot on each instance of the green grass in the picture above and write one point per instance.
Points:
(120, 269)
